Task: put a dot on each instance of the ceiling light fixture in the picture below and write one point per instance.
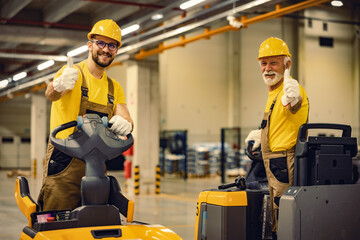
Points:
(45, 65)
(157, 16)
(336, 3)
(19, 76)
(4, 83)
(190, 4)
(130, 29)
(77, 51)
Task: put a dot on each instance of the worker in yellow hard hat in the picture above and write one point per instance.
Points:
(76, 90)
(288, 106)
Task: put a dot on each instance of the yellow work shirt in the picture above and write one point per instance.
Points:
(67, 108)
(284, 125)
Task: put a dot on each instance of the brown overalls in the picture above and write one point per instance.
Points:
(279, 168)
(62, 173)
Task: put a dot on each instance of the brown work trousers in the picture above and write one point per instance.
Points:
(67, 181)
(279, 168)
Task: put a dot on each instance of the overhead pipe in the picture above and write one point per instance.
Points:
(244, 22)
(282, 11)
(183, 41)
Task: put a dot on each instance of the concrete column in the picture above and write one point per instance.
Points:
(356, 67)
(142, 90)
(38, 134)
(234, 79)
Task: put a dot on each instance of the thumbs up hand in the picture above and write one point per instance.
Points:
(67, 79)
(291, 90)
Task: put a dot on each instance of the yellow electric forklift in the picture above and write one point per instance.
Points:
(323, 203)
(99, 217)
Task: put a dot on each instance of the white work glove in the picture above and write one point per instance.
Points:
(254, 135)
(67, 79)
(291, 90)
(120, 126)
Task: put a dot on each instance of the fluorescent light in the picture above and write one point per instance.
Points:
(4, 83)
(336, 3)
(190, 3)
(157, 16)
(253, 4)
(45, 65)
(19, 76)
(77, 51)
(130, 29)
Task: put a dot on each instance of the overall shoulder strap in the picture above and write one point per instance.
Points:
(84, 87)
(111, 91)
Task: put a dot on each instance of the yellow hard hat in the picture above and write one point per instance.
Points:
(273, 47)
(107, 28)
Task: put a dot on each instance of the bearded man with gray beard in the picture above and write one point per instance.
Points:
(288, 106)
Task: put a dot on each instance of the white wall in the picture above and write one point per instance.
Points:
(15, 117)
(327, 72)
(193, 82)
(118, 73)
(253, 90)
(14, 124)
(15, 154)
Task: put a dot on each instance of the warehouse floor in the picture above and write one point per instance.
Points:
(174, 207)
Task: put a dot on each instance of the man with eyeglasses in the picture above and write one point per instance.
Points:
(75, 91)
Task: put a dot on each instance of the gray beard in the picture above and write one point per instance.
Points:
(272, 82)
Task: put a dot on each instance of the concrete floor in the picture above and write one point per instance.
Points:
(174, 208)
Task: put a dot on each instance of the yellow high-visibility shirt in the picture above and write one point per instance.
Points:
(284, 125)
(67, 108)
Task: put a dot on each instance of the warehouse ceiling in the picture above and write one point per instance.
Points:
(33, 31)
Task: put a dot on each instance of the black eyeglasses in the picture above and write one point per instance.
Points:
(102, 44)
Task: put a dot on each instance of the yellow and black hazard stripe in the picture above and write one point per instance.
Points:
(137, 180)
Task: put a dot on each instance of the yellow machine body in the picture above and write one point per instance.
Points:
(222, 198)
(107, 232)
(24, 201)
(130, 230)
(229, 214)
(213, 211)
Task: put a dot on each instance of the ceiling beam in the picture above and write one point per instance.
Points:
(129, 3)
(34, 56)
(60, 9)
(11, 8)
(42, 36)
(113, 12)
(8, 45)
